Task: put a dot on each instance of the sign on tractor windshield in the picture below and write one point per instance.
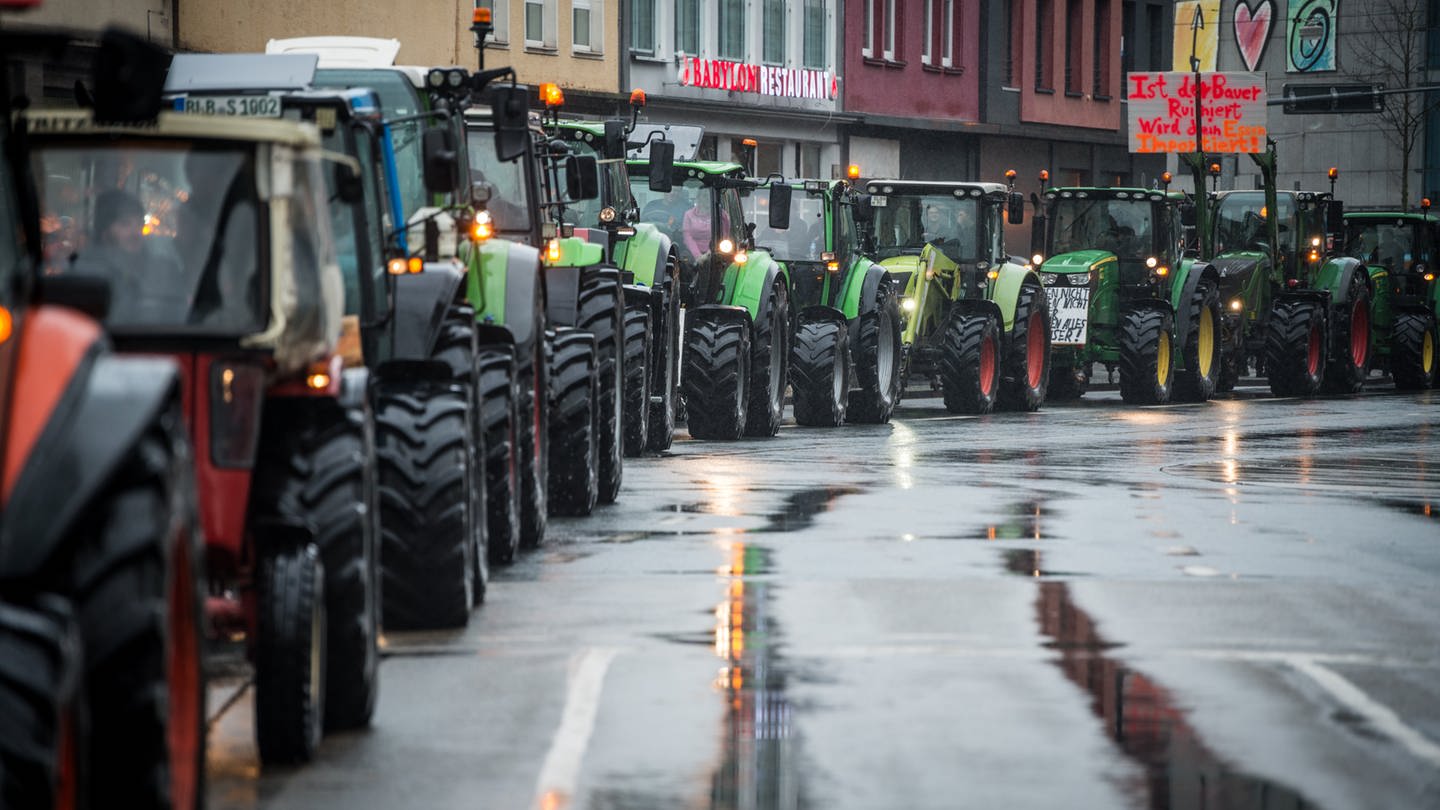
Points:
(1162, 112)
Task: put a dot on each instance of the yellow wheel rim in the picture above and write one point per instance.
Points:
(1207, 341)
(1162, 359)
(1427, 352)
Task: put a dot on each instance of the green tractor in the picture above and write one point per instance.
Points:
(845, 361)
(736, 296)
(974, 321)
(1294, 307)
(1400, 250)
(1122, 294)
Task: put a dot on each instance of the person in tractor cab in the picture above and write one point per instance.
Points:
(938, 227)
(118, 251)
(696, 228)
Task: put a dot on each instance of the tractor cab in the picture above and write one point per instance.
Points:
(1133, 233)
(816, 236)
(703, 214)
(1399, 250)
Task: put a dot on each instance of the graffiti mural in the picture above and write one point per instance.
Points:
(1205, 44)
(1252, 30)
(1310, 40)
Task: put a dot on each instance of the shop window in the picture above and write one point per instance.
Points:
(768, 157)
(774, 31)
(587, 21)
(687, 26)
(540, 24)
(709, 148)
(731, 20)
(499, 19)
(814, 35)
(642, 26)
(809, 159)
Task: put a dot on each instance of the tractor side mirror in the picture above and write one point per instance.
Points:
(1335, 219)
(442, 161)
(662, 165)
(1189, 216)
(863, 209)
(582, 177)
(347, 184)
(510, 107)
(1037, 234)
(779, 206)
(129, 78)
(1015, 208)
(614, 140)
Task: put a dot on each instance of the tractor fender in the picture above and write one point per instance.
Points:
(1335, 276)
(645, 254)
(1321, 297)
(563, 305)
(862, 298)
(817, 313)
(1005, 292)
(753, 282)
(970, 306)
(414, 371)
(508, 287)
(107, 406)
(718, 312)
(421, 301)
(1190, 273)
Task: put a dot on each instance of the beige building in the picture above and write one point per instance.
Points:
(573, 42)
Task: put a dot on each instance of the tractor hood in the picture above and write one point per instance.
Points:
(901, 264)
(1080, 261)
(1237, 264)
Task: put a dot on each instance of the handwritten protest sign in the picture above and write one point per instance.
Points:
(1162, 112)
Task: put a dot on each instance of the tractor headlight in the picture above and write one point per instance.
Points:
(908, 304)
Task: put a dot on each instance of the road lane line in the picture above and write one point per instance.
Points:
(1380, 716)
(561, 771)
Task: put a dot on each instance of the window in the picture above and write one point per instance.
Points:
(587, 32)
(732, 29)
(642, 26)
(687, 26)
(499, 18)
(947, 33)
(540, 24)
(773, 28)
(1101, 81)
(927, 33)
(809, 154)
(1012, 41)
(890, 30)
(868, 49)
(1074, 32)
(1156, 32)
(814, 44)
(1043, 40)
(1127, 39)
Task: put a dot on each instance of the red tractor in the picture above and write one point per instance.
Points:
(214, 236)
(102, 691)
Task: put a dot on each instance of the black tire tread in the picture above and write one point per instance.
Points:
(873, 401)
(817, 356)
(574, 485)
(717, 358)
(960, 379)
(770, 333)
(637, 380)
(1407, 365)
(1016, 393)
(1190, 384)
(1287, 347)
(1141, 331)
(602, 314)
(499, 424)
(288, 717)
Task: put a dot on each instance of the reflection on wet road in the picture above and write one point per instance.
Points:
(1228, 605)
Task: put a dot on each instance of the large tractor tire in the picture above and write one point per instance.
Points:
(1200, 377)
(320, 473)
(769, 362)
(1147, 360)
(717, 378)
(820, 373)
(574, 427)
(290, 654)
(1412, 351)
(428, 543)
(1295, 348)
(665, 365)
(1026, 374)
(637, 381)
(602, 314)
(1349, 361)
(136, 588)
(500, 426)
(877, 350)
(533, 435)
(970, 363)
(41, 704)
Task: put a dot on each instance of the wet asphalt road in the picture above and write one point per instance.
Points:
(1225, 605)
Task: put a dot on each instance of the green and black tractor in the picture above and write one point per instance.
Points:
(1400, 250)
(736, 297)
(975, 320)
(1294, 307)
(846, 352)
(1122, 293)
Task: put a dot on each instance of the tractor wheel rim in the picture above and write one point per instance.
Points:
(885, 359)
(837, 377)
(1162, 359)
(1359, 333)
(1034, 351)
(1427, 352)
(1206, 342)
(182, 667)
(987, 365)
(1312, 355)
(775, 384)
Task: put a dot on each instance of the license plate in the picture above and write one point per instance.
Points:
(1069, 315)
(252, 106)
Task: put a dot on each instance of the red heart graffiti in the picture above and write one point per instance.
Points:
(1252, 30)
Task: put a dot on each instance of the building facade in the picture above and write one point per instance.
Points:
(761, 69)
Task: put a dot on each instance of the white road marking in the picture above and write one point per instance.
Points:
(1377, 714)
(561, 771)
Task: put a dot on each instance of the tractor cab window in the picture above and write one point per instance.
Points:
(174, 227)
(398, 99)
(731, 224)
(1125, 227)
(905, 223)
(684, 213)
(509, 204)
(346, 222)
(1240, 221)
(803, 240)
(1382, 242)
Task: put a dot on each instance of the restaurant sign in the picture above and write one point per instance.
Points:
(766, 80)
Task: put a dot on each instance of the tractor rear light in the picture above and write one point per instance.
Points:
(552, 250)
(236, 391)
